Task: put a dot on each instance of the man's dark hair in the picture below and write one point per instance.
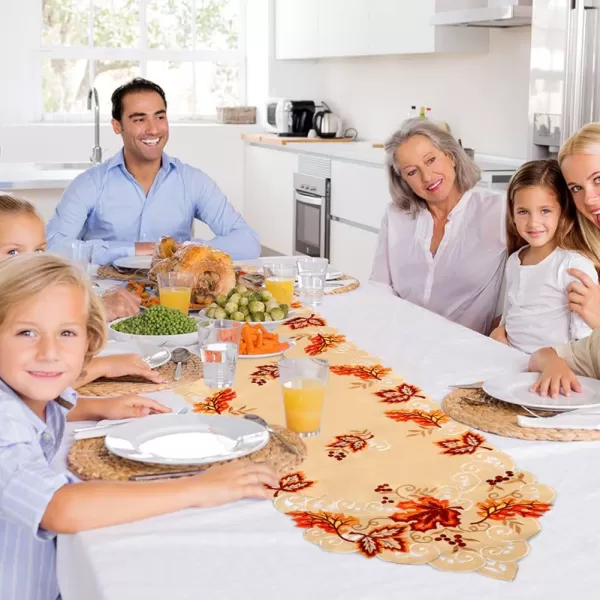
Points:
(139, 84)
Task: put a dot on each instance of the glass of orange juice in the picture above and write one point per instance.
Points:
(175, 290)
(280, 278)
(304, 381)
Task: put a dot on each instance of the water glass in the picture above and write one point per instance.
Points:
(81, 254)
(304, 381)
(175, 290)
(280, 278)
(219, 346)
(312, 274)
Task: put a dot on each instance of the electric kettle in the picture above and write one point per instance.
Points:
(326, 124)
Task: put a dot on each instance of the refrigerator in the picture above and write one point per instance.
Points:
(564, 83)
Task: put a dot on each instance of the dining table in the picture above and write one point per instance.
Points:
(249, 549)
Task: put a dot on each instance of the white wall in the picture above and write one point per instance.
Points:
(484, 97)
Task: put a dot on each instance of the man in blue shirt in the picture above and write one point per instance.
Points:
(124, 205)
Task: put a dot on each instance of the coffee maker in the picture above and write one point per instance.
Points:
(291, 118)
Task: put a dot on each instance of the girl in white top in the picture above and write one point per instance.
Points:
(442, 240)
(544, 241)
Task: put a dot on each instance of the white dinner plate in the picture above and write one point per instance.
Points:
(190, 439)
(288, 341)
(515, 389)
(134, 262)
(183, 339)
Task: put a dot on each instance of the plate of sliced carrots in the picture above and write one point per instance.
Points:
(257, 342)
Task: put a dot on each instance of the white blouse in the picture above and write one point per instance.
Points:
(536, 309)
(462, 281)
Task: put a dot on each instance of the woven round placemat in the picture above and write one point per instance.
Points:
(352, 284)
(110, 272)
(190, 371)
(478, 410)
(89, 459)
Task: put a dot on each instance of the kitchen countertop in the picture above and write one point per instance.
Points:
(27, 176)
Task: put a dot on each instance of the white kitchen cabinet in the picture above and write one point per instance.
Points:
(334, 28)
(352, 250)
(269, 196)
(359, 193)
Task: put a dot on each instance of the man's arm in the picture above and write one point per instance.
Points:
(69, 219)
(232, 234)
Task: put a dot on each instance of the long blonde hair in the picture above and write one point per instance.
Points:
(585, 141)
(546, 174)
(25, 276)
(16, 206)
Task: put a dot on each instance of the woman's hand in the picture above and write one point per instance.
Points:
(499, 334)
(232, 482)
(118, 365)
(584, 298)
(555, 376)
(121, 407)
(120, 303)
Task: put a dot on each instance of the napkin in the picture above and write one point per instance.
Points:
(582, 418)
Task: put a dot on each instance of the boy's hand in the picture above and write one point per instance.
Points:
(499, 334)
(556, 377)
(126, 407)
(120, 365)
(231, 482)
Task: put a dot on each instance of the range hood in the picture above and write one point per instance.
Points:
(510, 13)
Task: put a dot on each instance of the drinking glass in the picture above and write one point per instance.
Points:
(312, 273)
(303, 382)
(81, 254)
(280, 278)
(175, 290)
(219, 345)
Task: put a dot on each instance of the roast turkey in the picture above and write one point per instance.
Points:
(213, 270)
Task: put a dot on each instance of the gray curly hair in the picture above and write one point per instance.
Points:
(467, 172)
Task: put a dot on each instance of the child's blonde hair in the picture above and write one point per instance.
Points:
(585, 141)
(546, 174)
(16, 206)
(28, 275)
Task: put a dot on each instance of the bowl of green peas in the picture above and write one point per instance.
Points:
(157, 325)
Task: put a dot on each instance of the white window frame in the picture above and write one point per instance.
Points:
(143, 54)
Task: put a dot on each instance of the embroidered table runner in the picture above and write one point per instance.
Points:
(390, 476)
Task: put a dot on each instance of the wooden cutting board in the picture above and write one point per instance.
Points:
(271, 138)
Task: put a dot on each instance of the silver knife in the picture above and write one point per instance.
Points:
(165, 475)
(475, 385)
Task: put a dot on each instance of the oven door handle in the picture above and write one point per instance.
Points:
(313, 200)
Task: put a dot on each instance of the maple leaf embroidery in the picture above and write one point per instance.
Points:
(217, 404)
(296, 304)
(467, 443)
(363, 372)
(304, 322)
(264, 374)
(354, 441)
(509, 508)
(401, 393)
(388, 537)
(435, 418)
(337, 523)
(294, 482)
(322, 342)
(427, 513)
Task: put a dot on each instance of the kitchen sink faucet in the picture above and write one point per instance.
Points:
(96, 150)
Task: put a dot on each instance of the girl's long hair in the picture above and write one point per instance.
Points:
(546, 174)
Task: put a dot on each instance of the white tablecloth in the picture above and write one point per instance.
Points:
(249, 550)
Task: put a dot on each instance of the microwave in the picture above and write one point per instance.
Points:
(291, 118)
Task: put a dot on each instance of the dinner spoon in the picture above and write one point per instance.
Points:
(179, 355)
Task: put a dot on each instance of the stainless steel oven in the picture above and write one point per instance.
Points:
(311, 215)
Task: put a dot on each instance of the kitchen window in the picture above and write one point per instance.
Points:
(194, 49)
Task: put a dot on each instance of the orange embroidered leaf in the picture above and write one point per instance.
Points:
(336, 523)
(467, 443)
(294, 482)
(427, 513)
(322, 342)
(216, 404)
(354, 443)
(388, 537)
(264, 374)
(401, 393)
(303, 322)
(435, 418)
(296, 304)
(368, 546)
(363, 372)
(510, 507)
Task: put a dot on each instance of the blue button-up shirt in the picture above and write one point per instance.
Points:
(106, 206)
(27, 484)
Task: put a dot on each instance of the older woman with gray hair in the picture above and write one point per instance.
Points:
(442, 240)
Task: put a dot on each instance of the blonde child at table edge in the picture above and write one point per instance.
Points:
(22, 232)
(51, 324)
(544, 241)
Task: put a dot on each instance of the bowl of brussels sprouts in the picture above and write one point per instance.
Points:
(243, 304)
(157, 326)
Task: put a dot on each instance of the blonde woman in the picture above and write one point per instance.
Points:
(442, 240)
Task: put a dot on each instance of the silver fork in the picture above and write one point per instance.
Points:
(181, 411)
